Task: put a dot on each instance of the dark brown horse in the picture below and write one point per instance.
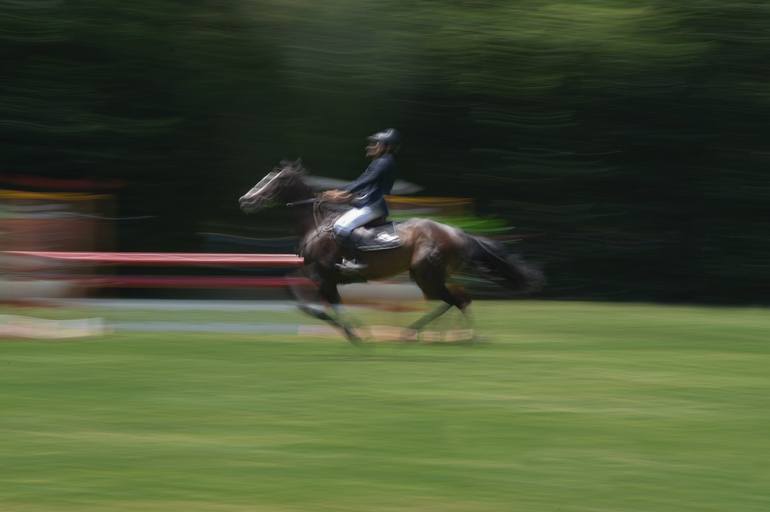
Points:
(430, 251)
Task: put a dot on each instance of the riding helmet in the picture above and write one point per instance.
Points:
(390, 137)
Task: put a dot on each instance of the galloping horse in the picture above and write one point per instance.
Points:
(429, 250)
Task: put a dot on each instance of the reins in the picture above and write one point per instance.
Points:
(317, 219)
(301, 202)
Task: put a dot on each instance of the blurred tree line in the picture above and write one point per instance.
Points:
(625, 140)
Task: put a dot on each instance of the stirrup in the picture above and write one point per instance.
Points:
(350, 265)
(351, 270)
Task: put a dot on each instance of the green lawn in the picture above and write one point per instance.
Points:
(565, 407)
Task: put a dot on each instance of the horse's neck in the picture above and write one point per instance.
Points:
(304, 212)
(312, 219)
(317, 227)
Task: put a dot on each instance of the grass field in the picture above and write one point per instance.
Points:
(565, 407)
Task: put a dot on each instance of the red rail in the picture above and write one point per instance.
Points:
(190, 282)
(168, 258)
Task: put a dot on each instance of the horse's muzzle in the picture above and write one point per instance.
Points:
(247, 205)
(254, 204)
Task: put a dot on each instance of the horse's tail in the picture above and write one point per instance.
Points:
(495, 263)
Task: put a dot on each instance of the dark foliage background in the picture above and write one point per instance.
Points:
(625, 140)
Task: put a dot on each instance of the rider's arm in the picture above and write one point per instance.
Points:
(369, 177)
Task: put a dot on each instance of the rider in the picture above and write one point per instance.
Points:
(367, 193)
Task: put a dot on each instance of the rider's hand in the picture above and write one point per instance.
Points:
(336, 196)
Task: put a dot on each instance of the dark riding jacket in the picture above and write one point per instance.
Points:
(377, 181)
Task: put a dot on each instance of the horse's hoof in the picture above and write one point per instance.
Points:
(410, 335)
(352, 338)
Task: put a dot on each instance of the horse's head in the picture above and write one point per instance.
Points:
(279, 186)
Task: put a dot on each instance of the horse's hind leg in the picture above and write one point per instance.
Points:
(431, 280)
(426, 319)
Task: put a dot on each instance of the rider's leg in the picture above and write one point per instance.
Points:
(343, 231)
(352, 219)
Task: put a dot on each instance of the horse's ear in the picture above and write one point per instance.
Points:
(298, 166)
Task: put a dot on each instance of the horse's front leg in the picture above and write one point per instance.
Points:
(316, 311)
(330, 293)
(310, 298)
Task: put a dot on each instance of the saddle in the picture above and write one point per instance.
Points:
(377, 235)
